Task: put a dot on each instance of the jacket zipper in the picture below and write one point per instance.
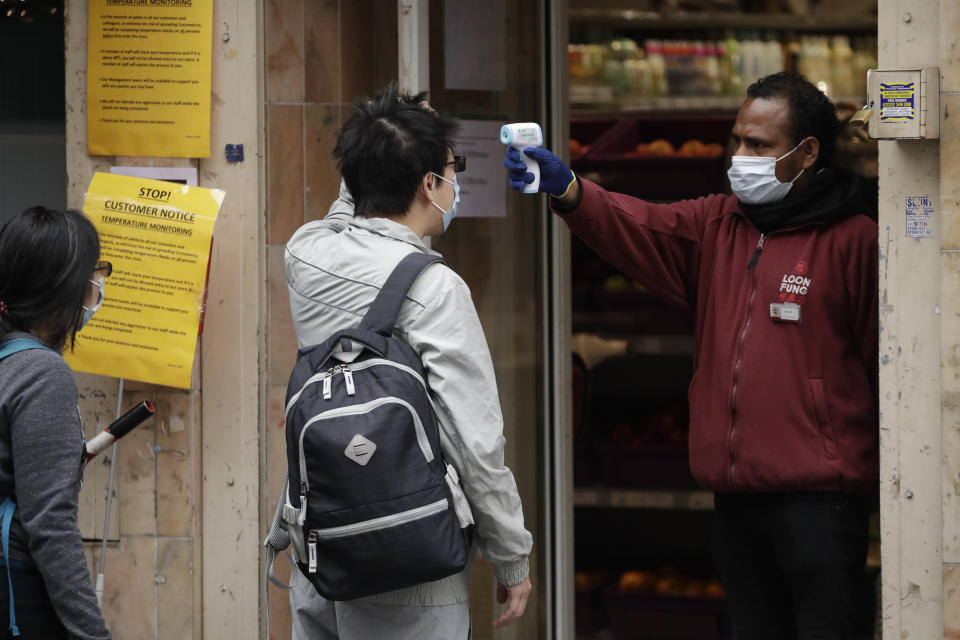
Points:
(385, 522)
(360, 409)
(736, 368)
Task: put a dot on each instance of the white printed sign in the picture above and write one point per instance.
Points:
(919, 216)
(483, 186)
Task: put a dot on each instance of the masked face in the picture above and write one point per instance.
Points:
(754, 178)
(449, 214)
(89, 311)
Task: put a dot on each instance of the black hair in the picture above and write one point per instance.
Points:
(811, 113)
(386, 147)
(46, 260)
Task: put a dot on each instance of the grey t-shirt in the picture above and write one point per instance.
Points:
(41, 450)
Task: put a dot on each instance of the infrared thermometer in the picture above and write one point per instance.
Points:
(521, 135)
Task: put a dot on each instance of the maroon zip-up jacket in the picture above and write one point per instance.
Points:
(776, 404)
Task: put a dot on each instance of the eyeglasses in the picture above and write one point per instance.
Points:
(459, 163)
(105, 267)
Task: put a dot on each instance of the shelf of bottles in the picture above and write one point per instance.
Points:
(675, 20)
(633, 61)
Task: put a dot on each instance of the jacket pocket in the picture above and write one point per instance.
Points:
(823, 418)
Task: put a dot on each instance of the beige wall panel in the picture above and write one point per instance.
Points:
(98, 408)
(80, 166)
(950, 165)
(482, 601)
(279, 601)
(910, 403)
(159, 472)
(357, 65)
(135, 486)
(951, 601)
(321, 47)
(129, 595)
(233, 341)
(951, 476)
(949, 48)
(275, 472)
(281, 339)
(275, 453)
(911, 495)
(197, 580)
(284, 49)
(175, 583)
(321, 125)
(285, 191)
(174, 452)
(950, 292)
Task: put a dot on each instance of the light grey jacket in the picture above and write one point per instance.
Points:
(335, 268)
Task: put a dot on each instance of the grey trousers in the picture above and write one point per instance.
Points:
(316, 618)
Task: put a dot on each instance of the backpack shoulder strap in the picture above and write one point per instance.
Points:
(6, 515)
(8, 506)
(17, 345)
(382, 315)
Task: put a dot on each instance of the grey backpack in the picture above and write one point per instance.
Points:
(370, 505)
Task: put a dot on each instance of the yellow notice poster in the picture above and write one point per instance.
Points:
(148, 77)
(157, 235)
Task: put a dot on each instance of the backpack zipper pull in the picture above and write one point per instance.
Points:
(756, 253)
(328, 386)
(312, 552)
(302, 516)
(348, 379)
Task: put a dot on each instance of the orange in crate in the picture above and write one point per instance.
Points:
(637, 581)
(692, 148)
(660, 147)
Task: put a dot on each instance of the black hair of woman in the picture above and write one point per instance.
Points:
(46, 261)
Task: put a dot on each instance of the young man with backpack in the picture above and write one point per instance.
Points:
(395, 156)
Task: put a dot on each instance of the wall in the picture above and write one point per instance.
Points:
(320, 56)
(187, 498)
(920, 334)
(949, 55)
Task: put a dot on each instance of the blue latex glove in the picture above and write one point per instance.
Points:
(555, 177)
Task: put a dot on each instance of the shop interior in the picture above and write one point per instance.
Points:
(654, 90)
(32, 119)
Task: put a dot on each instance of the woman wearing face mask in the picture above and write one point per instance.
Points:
(51, 283)
(781, 279)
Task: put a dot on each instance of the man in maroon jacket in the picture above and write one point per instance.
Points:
(781, 278)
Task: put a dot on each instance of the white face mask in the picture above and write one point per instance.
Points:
(451, 213)
(88, 312)
(754, 178)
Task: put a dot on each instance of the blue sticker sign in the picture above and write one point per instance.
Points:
(897, 101)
